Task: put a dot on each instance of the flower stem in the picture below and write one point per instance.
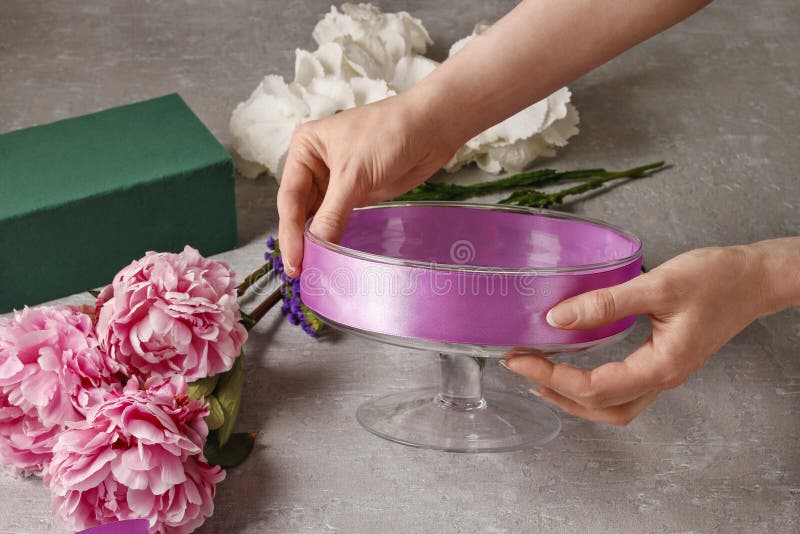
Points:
(539, 177)
(252, 278)
(261, 310)
(532, 197)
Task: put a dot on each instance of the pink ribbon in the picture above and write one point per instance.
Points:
(128, 526)
(465, 273)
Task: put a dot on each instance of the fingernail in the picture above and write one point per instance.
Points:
(535, 392)
(561, 316)
(504, 363)
(288, 267)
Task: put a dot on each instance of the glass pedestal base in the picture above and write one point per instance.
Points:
(458, 415)
(423, 418)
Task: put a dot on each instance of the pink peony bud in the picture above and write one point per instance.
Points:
(138, 454)
(51, 372)
(171, 314)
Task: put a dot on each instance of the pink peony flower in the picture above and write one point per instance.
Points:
(139, 454)
(51, 372)
(171, 314)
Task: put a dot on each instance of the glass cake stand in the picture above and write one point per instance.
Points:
(377, 284)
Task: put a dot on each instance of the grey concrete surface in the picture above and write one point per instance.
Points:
(716, 97)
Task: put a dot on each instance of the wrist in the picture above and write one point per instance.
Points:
(442, 111)
(776, 263)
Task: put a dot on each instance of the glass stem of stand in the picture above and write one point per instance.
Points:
(461, 383)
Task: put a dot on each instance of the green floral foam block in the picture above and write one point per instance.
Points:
(83, 197)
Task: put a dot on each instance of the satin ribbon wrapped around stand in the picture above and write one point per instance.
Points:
(468, 274)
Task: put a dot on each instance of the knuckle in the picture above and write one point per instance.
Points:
(302, 131)
(590, 398)
(284, 202)
(601, 304)
(661, 285)
(327, 224)
(327, 220)
(665, 288)
(302, 138)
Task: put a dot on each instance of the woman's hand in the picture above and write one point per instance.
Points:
(355, 158)
(373, 153)
(696, 303)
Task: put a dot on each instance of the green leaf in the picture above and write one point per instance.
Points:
(235, 452)
(200, 388)
(216, 416)
(229, 395)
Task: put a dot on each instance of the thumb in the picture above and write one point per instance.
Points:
(603, 306)
(331, 217)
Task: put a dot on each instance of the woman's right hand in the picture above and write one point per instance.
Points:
(373, 153)
(358, 157)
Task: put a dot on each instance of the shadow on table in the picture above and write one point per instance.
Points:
(241, 498)
(256, 206)
(244, 498)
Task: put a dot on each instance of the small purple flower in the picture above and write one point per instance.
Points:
(292, 306)
(296, 306)
(277, 263)
(308, 329)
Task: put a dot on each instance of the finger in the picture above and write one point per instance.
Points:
(293, 209)
(331, 217)
(619, 415)
(607, 385)
(603, 306)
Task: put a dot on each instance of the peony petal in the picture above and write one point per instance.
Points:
(141, 502)
(142, 424)
(138, 459)
(9, 369)
(90, 474)
(169, 473)
(39, 388)
(30, 342)
(139, 480)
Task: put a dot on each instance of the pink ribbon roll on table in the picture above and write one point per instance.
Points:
(128, 526)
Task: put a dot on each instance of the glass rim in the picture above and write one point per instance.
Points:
(378, 258)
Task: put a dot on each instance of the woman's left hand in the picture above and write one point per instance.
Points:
(696, 303)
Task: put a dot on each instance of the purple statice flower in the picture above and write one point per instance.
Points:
(277, 263)
(292, 306)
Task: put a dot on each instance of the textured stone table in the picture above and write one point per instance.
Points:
(716, 96)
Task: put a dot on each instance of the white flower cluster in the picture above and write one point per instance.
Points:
(364, 56)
